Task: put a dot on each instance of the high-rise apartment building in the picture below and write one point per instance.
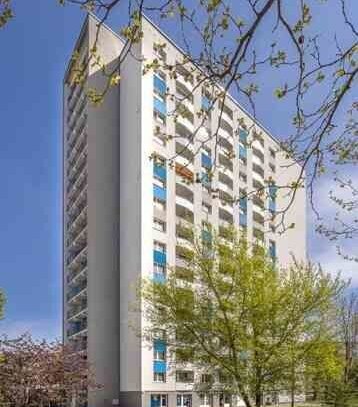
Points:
(123, 214)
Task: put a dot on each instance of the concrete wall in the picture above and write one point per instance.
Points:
(103, 226)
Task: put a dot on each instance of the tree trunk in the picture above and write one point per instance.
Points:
(258, 398)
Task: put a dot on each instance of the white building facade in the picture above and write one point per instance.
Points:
(123, 214)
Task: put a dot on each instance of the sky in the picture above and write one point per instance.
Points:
(34, 49)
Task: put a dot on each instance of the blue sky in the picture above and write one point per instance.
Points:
(34, 49)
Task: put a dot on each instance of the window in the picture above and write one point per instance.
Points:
(272, 153)
(158, 400)
(272, 167)
(159, 204)
(185, 376)
(159, 225)
(159, 182)
(242, 177)
(184, 400)
(159, 350)
(158, 268)
(206, 378)
(159, 377)
(207, 208)
(159, 247)
(206, 399)
(272, 249)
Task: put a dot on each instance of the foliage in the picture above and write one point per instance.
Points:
(242, 318)
(38, 372)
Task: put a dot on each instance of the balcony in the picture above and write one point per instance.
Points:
(258, 144)
(184, 79)
(226, 231)
(77, 311)
(184, 233)
(183, 213)
(186, 123)
(77, 186)
(76, 202)
(72, 118)
(184, 170)
(226, 183)
(76, 148)
(78, 344)
(76, 130)
(226, 163)
(226, 145)
(184, 196)
(76, 276)
(226, 215)
(258, 170)
(77, 292)
(74, 170)
(78, 239)
(77, 328)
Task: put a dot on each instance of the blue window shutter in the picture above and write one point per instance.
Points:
(205, 161)
(159, 278)
(159, 257)
(160, 85)
(160, 171)
(206, 236)
(272, 205)
(272, 250)
(205, 103)
(243, 204)
(243, 136)
(242, 152)
(205, 180)
(159, 366)
(159, 193)
(160, 345)
(243, 219)
(160, 106)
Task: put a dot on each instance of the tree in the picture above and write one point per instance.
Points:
(233, 314)
(38, 372)
(236, 45)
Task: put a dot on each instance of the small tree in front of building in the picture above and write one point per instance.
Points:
(237, 318)
(42, 373)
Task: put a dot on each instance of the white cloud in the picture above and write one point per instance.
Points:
(321, 249)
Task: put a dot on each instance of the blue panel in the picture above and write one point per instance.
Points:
(159, 366)
(243, 203)
(205, 103)
(155, 401)
(272, 250)
(159, 193)
(159, 257)
(243, 219)
(205, 180)
(160, 171)
(272, 205)
(242, 152)
(205, 161)
(206, 235)
(243, 136)
(159, 278)
(273, 191)
(160, 85)
(160, 106)
(160, 345)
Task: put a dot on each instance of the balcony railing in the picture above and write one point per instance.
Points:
(74, 254)
(74, 291)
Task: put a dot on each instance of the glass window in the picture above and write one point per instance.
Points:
(159, 377)
(159, 225)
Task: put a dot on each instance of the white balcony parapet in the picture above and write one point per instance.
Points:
(188, 85)
(185, 203)
(186, 123)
